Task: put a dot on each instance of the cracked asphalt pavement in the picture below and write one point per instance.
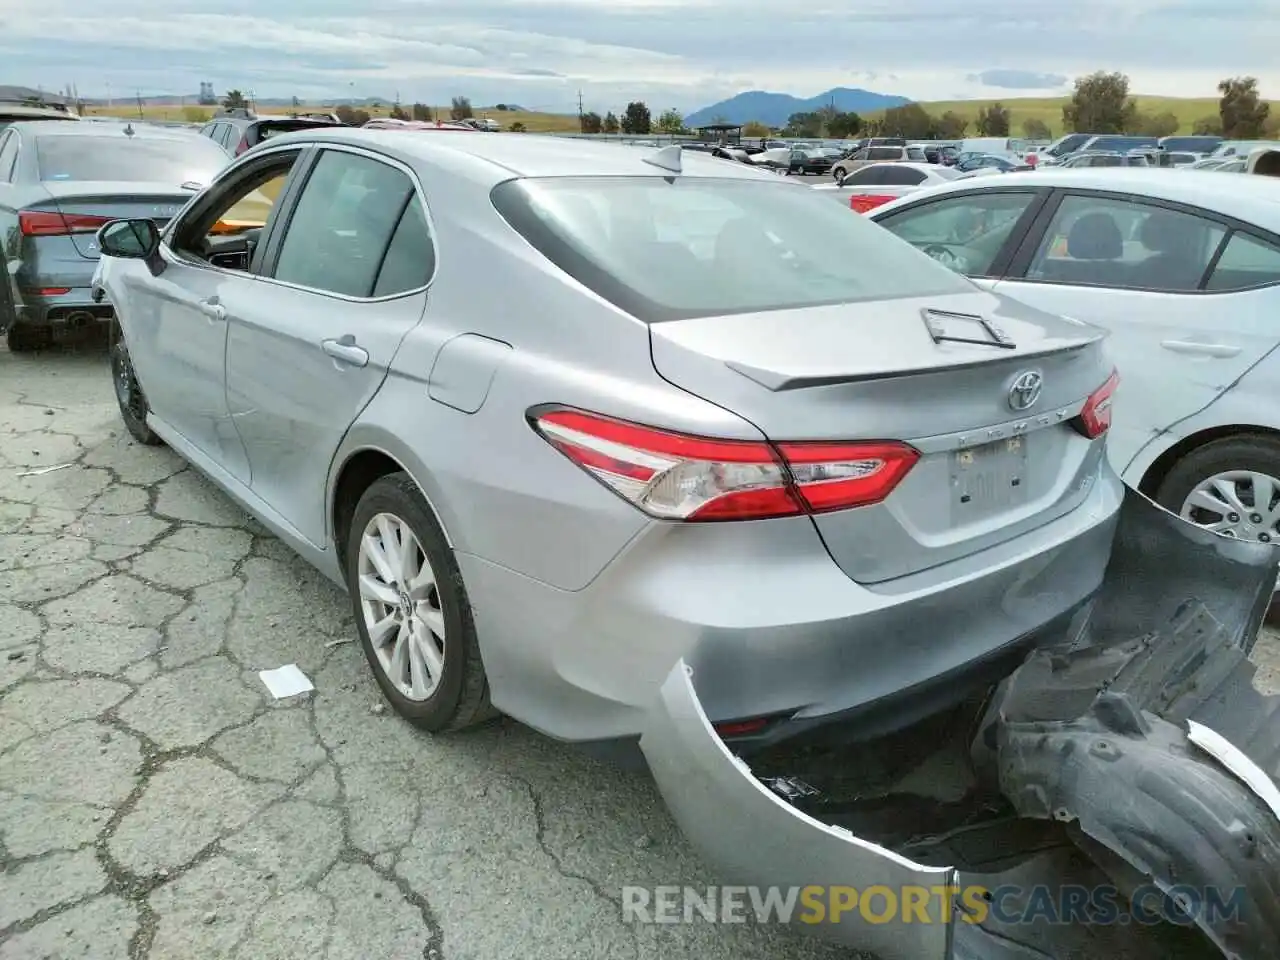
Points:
(156, 802)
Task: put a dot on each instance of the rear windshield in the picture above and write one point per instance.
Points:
(1121, 144)
(1190, 144)
(674, 248)
(275, 128)
(1067, 144)
(132, 159)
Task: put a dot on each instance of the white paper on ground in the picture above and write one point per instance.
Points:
(286, 681)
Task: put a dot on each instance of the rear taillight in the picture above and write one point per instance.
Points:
(674, 476)
(864, 202)
(242, 146)
(1095, 416)
(42, 223)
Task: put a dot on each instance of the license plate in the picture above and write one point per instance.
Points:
(989, 478)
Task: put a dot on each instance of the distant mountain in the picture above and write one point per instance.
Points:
(774, 108)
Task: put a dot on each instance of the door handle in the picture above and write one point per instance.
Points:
(212, 309)
(345, 350)
(1217, 350)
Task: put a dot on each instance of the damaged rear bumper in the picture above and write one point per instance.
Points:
(1132, 757)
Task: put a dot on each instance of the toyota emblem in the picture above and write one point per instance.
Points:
(1025, 390)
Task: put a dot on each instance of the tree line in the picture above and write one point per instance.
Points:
(1100, 103)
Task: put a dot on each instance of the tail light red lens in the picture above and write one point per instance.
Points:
(242, 146)
(44, 223)
(1095, 416)
(674, 476)
(864, 202)
(741, 728)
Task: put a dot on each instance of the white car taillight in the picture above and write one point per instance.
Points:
(1095, 416)
(674, 476)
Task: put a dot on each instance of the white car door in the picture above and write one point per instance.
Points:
(1180, 335)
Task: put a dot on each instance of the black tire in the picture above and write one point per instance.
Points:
(24, 338)
(1255, 452)
(129, 396)
(461, 697)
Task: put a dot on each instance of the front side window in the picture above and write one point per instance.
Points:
(224, 228)
(343, 223)
(965, 232)
(668, 249)
(1107, 242)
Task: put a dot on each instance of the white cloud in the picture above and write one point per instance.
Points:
(685, 53)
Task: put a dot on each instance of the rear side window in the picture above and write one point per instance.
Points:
(8, 155)
(128, 159)
(411, 257)
(1246, 262)
(1097, 241)
(866, 176)
(903, 176)
(885, 153)
(670, 249)
(340, 230)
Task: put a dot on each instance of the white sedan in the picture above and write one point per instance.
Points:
(870, 186)
(1184, 271)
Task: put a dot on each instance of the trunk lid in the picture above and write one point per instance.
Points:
(114, 200)
(988, 469)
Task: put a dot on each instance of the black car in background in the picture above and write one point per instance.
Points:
(238, 129)
(813, 162)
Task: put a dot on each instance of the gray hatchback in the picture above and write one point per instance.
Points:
(60, 182)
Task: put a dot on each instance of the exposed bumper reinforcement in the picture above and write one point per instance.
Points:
(1096, 732)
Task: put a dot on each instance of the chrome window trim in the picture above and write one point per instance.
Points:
(321, 145)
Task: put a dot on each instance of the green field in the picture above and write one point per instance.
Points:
(533, 122)
(1049, 110)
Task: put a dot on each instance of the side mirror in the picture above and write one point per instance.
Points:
(129, 239)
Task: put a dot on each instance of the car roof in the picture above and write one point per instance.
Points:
(525, 155)
(35, 112)
(105, 129)
(1249, 198)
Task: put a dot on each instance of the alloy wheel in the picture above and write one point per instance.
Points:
(1244, 504)
(400, 602)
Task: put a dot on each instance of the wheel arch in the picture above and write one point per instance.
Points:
(1160, 467)
(359, 467)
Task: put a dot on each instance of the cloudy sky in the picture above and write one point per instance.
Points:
(681, 53)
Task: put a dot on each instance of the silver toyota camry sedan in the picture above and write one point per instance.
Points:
(560, 415)
(631, 444)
